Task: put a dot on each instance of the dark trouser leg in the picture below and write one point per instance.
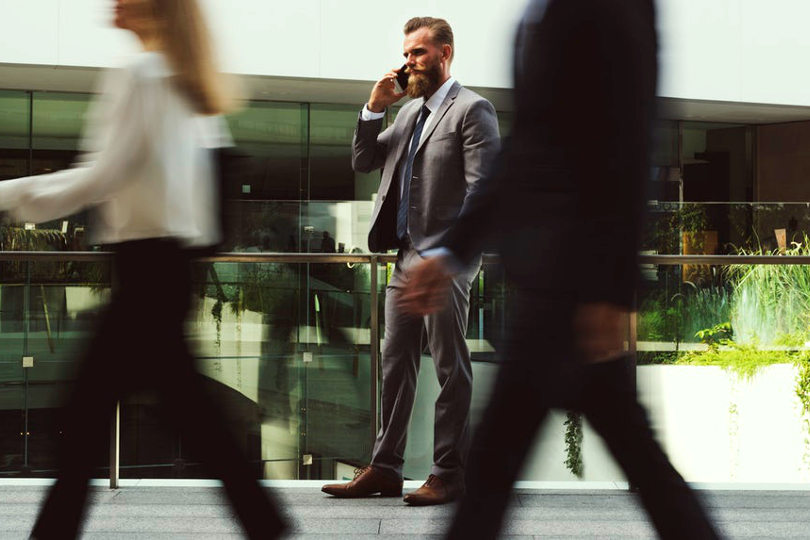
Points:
(498, 450)
(202, 424)
(181, 390)
(529, 382)
(611, 406)
(85, 427)
(151, 302)
(400, 367)
(446, 331)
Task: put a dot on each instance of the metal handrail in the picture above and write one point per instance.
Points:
(721, 260)
(368, 258)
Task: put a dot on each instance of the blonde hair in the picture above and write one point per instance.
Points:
(186, 41)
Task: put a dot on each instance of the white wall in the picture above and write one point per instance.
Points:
(735, 50)
(334, 39)
(726, 50)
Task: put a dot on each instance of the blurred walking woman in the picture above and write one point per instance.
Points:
(148, 172)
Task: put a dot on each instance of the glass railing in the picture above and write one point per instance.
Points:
(673, 228)
(47, 311)
(287, 349)
(290, 344)
(669, 228)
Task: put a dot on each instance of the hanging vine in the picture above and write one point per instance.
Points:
(573, 444)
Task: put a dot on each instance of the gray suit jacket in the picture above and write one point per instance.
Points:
(455, 154)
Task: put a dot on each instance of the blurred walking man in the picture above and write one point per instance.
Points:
(571, 176)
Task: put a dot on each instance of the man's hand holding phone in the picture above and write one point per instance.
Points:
(388, 90)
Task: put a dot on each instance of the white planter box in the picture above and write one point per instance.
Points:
(715, 426)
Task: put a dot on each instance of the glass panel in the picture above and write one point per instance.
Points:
(331, 174)
(487, 321)
(665, 181)
(12, 381)
(286, 350)
(57, 129)
(505, 121)
(337, 383)
(47, 312)
(726, 228)
(292, 226)
(58, 124)
(716, 162)
(14, 134)
(277, 134)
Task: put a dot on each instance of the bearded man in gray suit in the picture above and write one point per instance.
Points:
(433, 158)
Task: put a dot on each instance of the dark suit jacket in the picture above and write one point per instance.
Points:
(566, 200)
(453, 157)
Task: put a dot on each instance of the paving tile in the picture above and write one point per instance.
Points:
(332, 526)
(160, 536)
(161, 525)
(612, 529)
(756, 499)
(135, 513)
(766, 529)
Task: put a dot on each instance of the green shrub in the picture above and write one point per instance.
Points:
(771, 301)
(744, 360)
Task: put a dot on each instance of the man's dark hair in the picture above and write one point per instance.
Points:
(439, 29)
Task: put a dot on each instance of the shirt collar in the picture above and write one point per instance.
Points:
(437, 99)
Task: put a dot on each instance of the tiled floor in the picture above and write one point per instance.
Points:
(200, 513)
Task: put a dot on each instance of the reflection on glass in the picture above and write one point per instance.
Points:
(293, 226)
(14, 134)
(724, 228)
(277, 134)
(331, 174)
(47, 311)
(286, 350)
(57, 129)
(716, 164)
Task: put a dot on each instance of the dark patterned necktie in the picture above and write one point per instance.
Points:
(402, 210)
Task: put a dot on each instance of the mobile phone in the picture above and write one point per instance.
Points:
(401, 82)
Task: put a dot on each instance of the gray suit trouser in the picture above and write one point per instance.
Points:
(401, 357)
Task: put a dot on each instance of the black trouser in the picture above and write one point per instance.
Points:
(139, 345)
(538, 374)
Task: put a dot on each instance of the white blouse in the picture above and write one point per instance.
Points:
(147, 164)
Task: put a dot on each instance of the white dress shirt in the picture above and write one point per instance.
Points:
(147, 164)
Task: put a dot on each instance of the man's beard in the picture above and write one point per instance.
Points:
(422, 84)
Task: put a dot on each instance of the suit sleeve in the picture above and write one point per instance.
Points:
(369, 146)
(469, 235)
(98, 175)
(481, 145)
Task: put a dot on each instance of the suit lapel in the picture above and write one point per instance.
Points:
(404, 141)
(443, 108)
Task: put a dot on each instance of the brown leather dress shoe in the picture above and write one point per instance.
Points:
(434, 491)
(367, 481)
